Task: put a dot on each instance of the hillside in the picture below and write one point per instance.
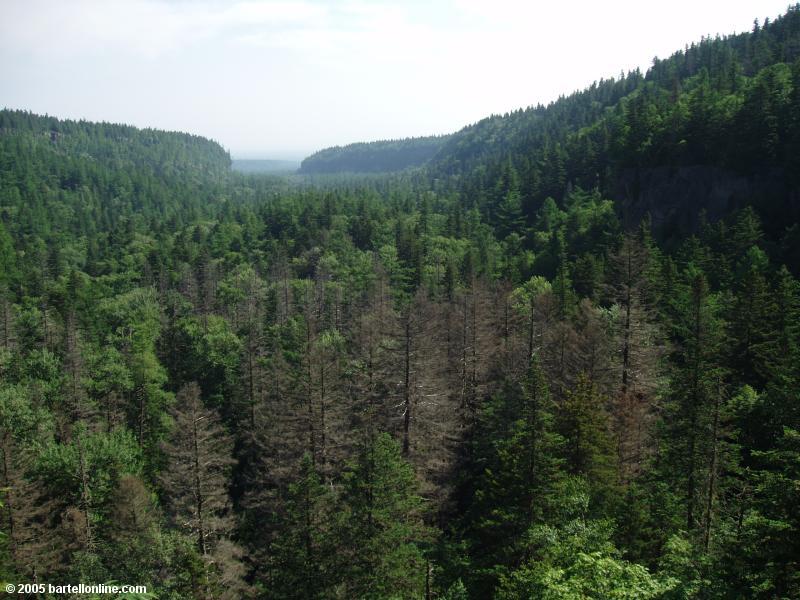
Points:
(63, 180)
(709, 130)
(374, 157)
(720, 117)
(163, 153)
(560, 359)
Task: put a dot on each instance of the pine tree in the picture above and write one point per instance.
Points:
(516, 470)
(562, 284)
(696, 382)
(750, 320)
(29, 544)
(509, 201)
(77, 479)
(589, 444)
(770, 529)
(381, 531)
(637, 353)
(302, 557)
(196, 483)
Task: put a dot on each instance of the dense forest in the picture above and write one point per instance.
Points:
(374, 157)
(560, 359)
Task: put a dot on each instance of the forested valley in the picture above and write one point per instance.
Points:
(530, 366)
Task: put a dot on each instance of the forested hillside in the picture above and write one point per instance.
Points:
(713, 128)
(505, 375)
(374, 157)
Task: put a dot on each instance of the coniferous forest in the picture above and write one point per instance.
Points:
(558, 359)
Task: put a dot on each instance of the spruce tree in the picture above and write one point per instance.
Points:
(517, 470)
(196, 482)
(302, 557)
(381, 531)
(589, 448)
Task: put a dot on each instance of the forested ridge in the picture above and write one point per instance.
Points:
(374, 157)
(501, 375)
(715, 124)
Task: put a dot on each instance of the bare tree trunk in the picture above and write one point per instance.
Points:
(712, 472)
(626, 343)
(407, 388)
(473, 383)
(141, 398)
(6, 334)
(531, 327)
(198, 490)
(464, 344)
(694, 400)
(6, 482)
(85, 496)
(312, 436)
(251, 396)
(323, 457)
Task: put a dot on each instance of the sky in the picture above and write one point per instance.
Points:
(281, 79)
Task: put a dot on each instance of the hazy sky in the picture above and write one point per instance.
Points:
(280, 79)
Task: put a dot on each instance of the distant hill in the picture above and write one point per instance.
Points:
(264, 165)
(374, 157)
(163, 153)
(61, 177)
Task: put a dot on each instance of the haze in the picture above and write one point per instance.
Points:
(274, 79)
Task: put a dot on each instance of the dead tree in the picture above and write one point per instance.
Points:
(196, 483)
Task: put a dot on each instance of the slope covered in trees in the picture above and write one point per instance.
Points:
(398, 385)
(373, 157)
(710, 129)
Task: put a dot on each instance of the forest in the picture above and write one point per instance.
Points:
(374, 157)
(554, 355)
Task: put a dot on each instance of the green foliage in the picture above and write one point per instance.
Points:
(590, 575)
(575, 559)
(767, 548)
(589, 447)
(516, 459)
(474, 303)
(382, 529)
(303, 557)
(95, 461)
(383, 156)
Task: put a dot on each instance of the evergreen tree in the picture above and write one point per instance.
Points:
(517, 473)
(589, 445)
(698, 378)
(302, 558)
(196, 479)
(381, 529)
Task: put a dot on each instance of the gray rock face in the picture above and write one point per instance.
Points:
(675, 197)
